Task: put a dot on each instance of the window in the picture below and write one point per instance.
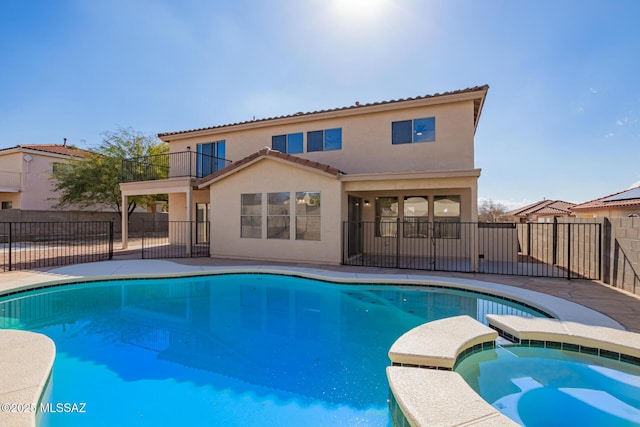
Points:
(211, 158)
(418, 130)
(308, 218)
(416, 216)
(386, 216)
(251, 216)
(446, 217)
(7, 205)
(291, 143)
(278, 215)
(324, 140)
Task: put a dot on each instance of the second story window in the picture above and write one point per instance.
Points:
(324, 140)
(210, 157)
(291, 143)
(417, 130)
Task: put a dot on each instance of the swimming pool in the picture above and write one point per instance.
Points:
(233, 350)
(542, 386)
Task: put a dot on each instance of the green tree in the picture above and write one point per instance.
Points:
(489, 211)
(94, 180)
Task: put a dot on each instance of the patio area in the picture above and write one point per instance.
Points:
(621, 306)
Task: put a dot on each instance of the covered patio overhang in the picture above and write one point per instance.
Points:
(427, 195)
(374, 184)
(183, 185)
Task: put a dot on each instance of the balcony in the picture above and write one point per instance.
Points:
(185, 164)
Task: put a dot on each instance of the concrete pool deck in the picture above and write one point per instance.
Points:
(582, 301)
(620, 306)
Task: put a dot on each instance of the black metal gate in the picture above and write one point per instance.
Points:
(176, 239)
(569, 250)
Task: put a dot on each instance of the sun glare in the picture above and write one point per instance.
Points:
(359, 10)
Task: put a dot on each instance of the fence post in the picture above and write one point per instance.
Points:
(111, 240)
(397, 242)
(568, 251)
(144, 232)
(600, 263)
(10, 243)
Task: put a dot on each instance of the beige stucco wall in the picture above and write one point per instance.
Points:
(32, 177)
(178, 204)
(271, 176)
(366, 138)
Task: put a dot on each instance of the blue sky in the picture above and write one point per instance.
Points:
(561, 121)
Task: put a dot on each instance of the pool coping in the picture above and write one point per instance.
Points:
(426, 391)
(125, 270)
(26, 363)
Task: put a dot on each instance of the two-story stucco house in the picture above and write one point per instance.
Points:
(25, 174)
(299, 187)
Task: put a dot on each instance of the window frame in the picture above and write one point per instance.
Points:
(400, 134)
(254, 219)
(287, 142)
(447, 226)
(325, 143)
(282, 231)
(390, 221)
(316, 214)
(415, 226)
(216, 150)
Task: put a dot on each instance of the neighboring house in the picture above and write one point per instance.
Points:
(25, 174)
(621, 204)
(285, 188)
(542, 211)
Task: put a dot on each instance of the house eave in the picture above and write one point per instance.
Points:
(477, 96)
(465, 173)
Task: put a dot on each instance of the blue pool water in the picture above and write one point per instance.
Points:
(229, 350)
(547, 387)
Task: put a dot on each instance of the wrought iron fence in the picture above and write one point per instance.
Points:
(176, 239)
(540, 249)
(29, 245)
(171, 165)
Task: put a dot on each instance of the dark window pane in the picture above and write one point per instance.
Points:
(295, 143)
(333, 139)
(279, 143)
(315, 141)
(278, 203)
(424, 130)
(401, 132)
(220, 154)
(251, 204)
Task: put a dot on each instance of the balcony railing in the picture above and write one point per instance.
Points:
(172, 165)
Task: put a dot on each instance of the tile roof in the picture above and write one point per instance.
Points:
(544, 207)
(350, 107)
(268, 152)
(602, 203)
(65, 150)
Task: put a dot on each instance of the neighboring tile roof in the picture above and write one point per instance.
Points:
(602, 203)
(268, 152)
(65, 150)
(357, 105)
(544, 207)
